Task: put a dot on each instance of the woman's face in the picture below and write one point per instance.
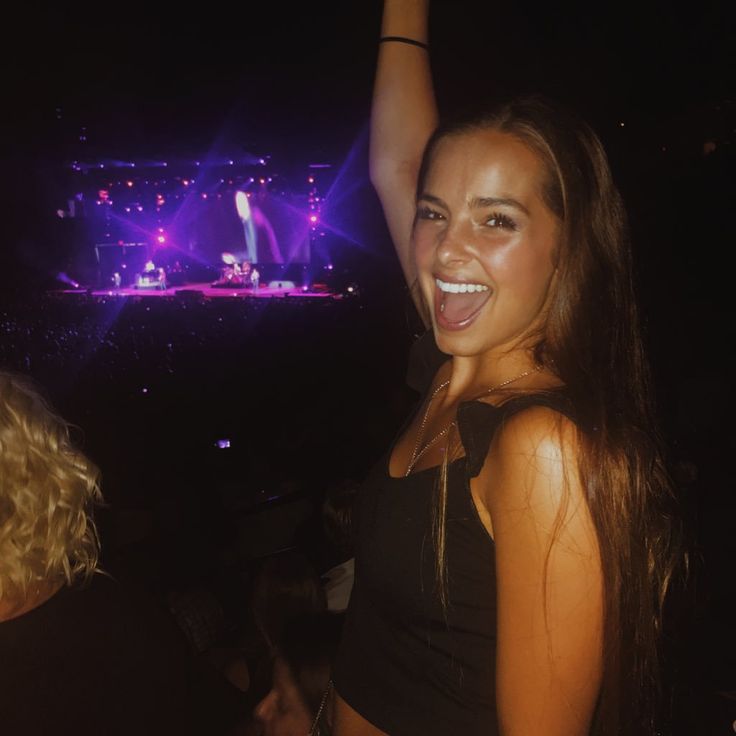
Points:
(485, 242)
(283, 711)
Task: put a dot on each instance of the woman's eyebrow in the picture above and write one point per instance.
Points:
(425, 197)
(479, 202)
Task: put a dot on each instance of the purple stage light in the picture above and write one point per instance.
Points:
(242, 206)
(222, 444)
(161, 239)
(313, 218)
(67, 280)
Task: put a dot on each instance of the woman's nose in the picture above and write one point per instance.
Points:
(453, 246)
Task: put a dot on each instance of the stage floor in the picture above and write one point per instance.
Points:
(206, 290)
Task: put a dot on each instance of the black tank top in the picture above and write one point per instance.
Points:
(407, 665)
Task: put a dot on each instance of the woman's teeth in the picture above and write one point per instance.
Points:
(452, 288)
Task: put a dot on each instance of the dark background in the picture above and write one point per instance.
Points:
(310, 395)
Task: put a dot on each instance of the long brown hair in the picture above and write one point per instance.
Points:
(591, 340)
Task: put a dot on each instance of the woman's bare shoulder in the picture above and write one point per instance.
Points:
(533, 462)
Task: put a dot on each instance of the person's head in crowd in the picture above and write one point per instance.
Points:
(301, 674)
(337, 517)
(285, 587)
(47, 490)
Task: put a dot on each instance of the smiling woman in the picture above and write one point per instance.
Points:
(482, 223)
(516, 544)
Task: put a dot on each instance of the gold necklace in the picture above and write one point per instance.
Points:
(417, 453)
(314, 730)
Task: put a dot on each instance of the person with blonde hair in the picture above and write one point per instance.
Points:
(79, 653)
(48, 538)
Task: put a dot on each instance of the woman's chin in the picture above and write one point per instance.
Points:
(456, 343)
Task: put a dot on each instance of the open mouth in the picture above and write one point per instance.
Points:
(457, 304)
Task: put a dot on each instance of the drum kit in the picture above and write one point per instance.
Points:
(236, 275)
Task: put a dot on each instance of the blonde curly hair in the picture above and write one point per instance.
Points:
(47, 491)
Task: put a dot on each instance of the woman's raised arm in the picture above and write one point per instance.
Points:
(403, 117)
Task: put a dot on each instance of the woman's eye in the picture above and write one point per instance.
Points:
(502, 221)
(426, 213)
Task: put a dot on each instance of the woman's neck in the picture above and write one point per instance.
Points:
(473, 376)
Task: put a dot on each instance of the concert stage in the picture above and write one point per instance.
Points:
(207, 291)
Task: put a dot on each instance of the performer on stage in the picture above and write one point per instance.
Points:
(246, 272)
